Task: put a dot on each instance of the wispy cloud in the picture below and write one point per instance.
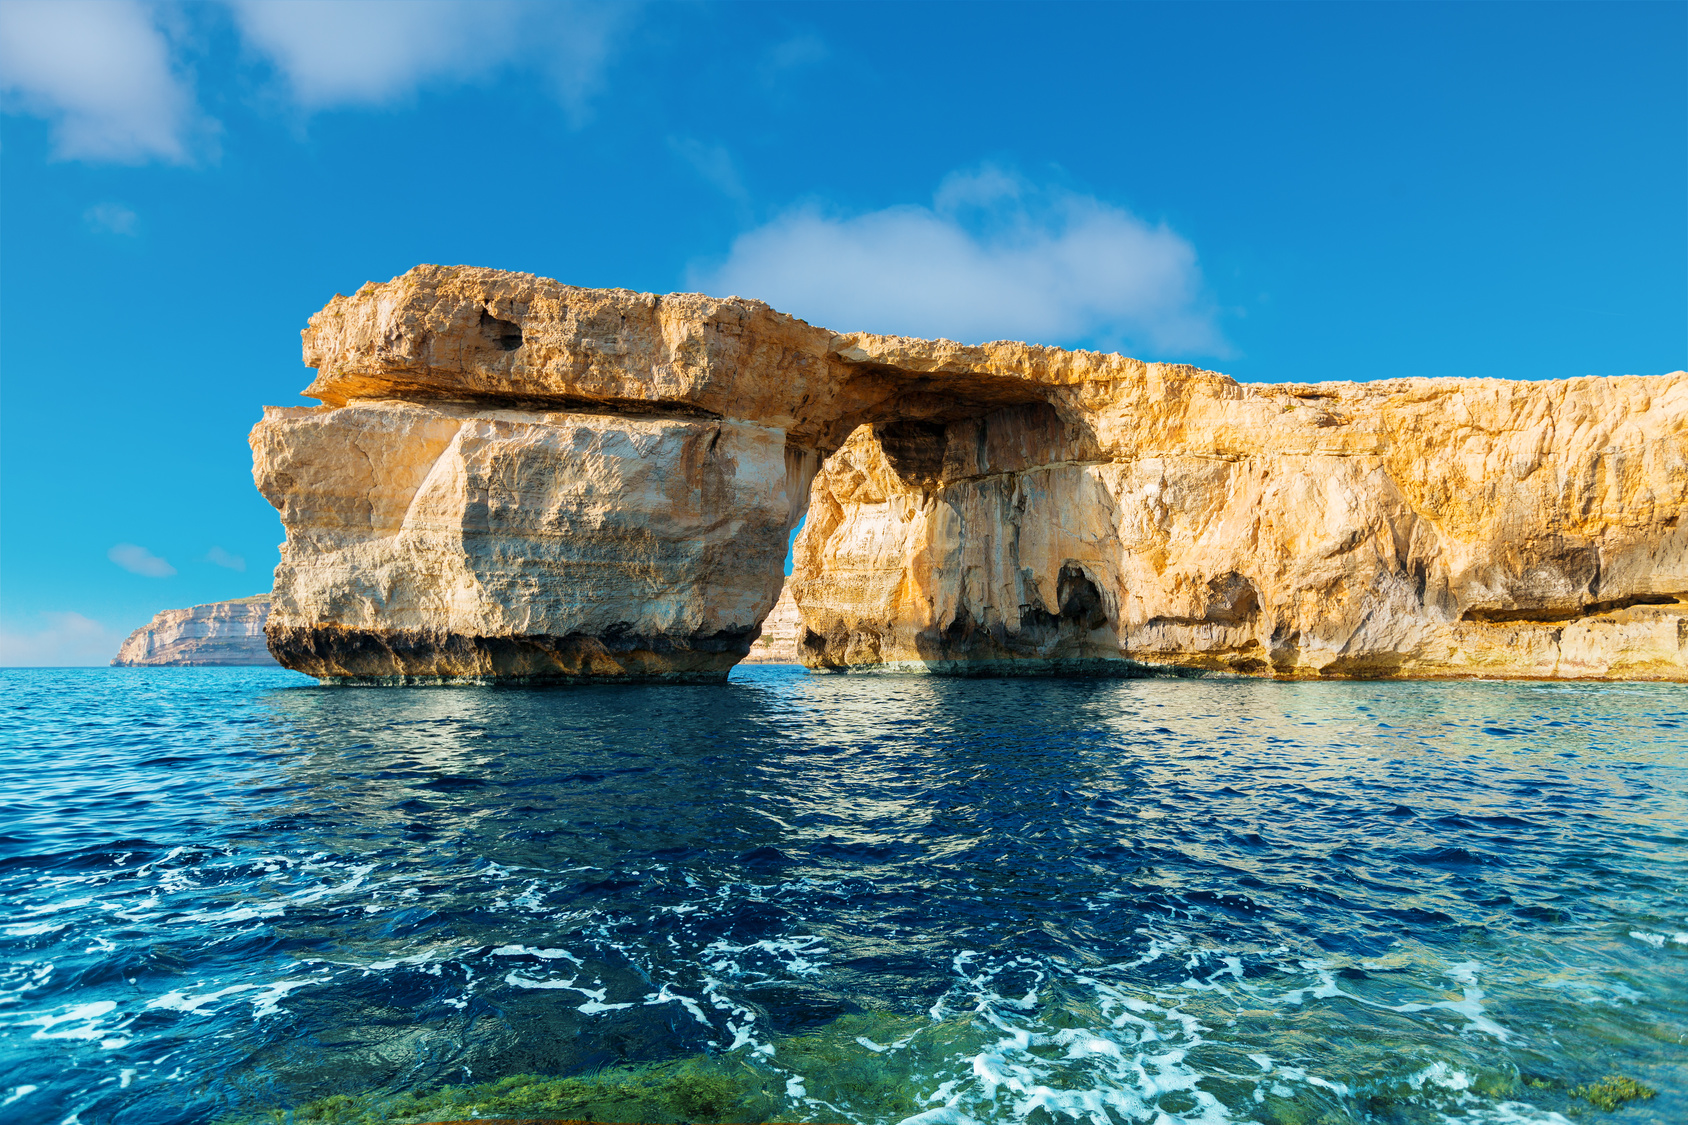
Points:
(100, 71)
(795, 53)
(337, 53)
(994, 256)
(714, 163)
(69, 640)
(220, 557)
(139, 560)
(111, 218)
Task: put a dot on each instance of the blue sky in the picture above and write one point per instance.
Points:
(1280, 192)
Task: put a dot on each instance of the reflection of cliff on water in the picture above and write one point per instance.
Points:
(499, 768)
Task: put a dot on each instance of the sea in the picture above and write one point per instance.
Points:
(233, 895)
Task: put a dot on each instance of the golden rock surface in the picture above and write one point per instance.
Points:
(1436, 527)
(511, 477)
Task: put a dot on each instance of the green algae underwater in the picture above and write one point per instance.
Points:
(845, 1064)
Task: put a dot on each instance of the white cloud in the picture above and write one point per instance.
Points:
(113, 218)
(994, 257)
(223, 558)
(70, 640)
(333, 53)
(100, 72)
(107, 77)
(714, 163)
(139, 560)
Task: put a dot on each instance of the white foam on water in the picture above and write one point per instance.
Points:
(1098, 1074)
(268, 1002)
(524, 982)
(55, 907)
(235, 914)
(791, 955)
(666, 996)
(595, 1002)
(359, 873)
(18, 1093)
(530, 899)
(34, 930)
(82, 1021)
(1505, 1113)
(1471, 1007)
(530, 951)
(1657, 941)
(593, 1007)
(181, 1002)
(1439, 1074)
(1464, 973)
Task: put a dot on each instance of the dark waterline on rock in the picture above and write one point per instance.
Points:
(230, 890)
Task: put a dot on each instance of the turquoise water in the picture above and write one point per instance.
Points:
(872, 898)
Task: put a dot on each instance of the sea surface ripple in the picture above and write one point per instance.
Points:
(1155, 900)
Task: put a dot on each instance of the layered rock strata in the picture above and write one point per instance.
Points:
(1418, 528)
(510, 477)
(229, 632)
(782, 629)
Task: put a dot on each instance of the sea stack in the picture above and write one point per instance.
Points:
(513, 478)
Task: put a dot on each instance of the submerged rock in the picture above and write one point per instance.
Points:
(514, 478)
(229, 632)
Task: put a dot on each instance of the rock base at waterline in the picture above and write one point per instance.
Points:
(414, 656)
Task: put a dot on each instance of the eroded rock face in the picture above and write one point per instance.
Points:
(510, 477)
(431, 540)
(1414, 528)
(229, 632)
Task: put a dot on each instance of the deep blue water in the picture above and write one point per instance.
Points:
(1107, 901)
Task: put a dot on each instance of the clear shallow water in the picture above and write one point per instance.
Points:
(1151, 900)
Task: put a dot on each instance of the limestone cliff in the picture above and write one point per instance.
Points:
(229, 632)
(781, 631)
(1419, 528)
(511, 477)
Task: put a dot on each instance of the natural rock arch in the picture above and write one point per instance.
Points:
(514, 478)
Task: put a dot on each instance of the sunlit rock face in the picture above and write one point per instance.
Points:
(1413, 528)
(441, 541)
(781, 630)
(230, 632)
(514, 478)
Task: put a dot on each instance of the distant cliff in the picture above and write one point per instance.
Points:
(215, 633)
(778, 643)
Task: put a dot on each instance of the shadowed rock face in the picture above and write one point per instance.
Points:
(513, 478)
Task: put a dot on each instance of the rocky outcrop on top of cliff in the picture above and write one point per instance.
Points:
(514, 477)
(230, 632)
